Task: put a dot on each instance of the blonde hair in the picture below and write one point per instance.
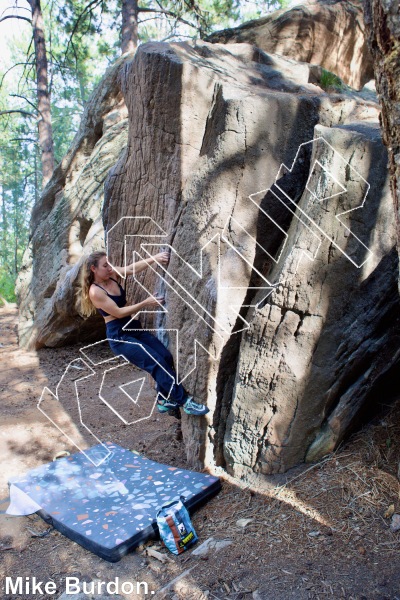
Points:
(87, 278)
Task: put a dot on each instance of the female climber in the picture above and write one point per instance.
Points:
(102, 292)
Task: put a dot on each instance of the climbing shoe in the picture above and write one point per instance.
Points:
(194, 408)
(170, 407)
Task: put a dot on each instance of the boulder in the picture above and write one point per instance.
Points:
(281, 307)
(67, 223)
(203, 138)
(327, 33)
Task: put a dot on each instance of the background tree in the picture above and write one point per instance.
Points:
(129, 28)
(45, 131)
(170, 19)
(383, 25)
(43, 108)
(382, 21)
(18, 189)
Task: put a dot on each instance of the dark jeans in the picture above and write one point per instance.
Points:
(145, 351)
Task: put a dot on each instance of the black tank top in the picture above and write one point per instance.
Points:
(120, 300)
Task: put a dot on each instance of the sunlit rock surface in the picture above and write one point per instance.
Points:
(328, 33)
(67, 222)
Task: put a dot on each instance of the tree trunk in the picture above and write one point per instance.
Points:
(383, 27)
(37, 194)
(44, 124)
(382, 20)
(129, 37)
(4, 227)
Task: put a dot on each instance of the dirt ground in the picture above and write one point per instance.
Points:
(319, 531)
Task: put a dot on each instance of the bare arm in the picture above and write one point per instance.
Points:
(100, 300)
(139, 266)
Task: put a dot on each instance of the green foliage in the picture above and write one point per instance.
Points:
(74, 69)
(7, 284)
(215, 14)
(329, 81)
(86, 43)
(254, 10)
(17, 193)
(79, 53)
(204, 16)
(18, 178)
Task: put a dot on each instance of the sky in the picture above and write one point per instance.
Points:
(11, 27)
(14, 27)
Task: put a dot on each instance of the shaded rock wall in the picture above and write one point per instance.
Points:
(329, 33)
(67, 222)
(329, 331)
(382, 21)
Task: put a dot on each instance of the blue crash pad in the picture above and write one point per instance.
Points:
(110, 509)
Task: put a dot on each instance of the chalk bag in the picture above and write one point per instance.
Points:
(175, 526)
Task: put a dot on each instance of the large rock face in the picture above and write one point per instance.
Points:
(329, 33)
(281, 315)
(305, 362)
(67, 222)
(214, 130)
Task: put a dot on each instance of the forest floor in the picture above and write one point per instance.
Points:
(319, 531)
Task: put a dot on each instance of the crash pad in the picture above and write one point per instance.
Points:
(111, 508)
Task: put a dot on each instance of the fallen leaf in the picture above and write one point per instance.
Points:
(210, 545)
(161, 557)
(389, 512)
(243, 522)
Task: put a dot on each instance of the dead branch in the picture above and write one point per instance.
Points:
(30, 140)
(17, 110)
(16, 17)
(26, 100)
(8, 70)
(168, 13)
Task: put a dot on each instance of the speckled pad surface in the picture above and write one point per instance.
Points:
(110, 509)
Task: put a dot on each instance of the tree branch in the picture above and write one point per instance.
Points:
(19, 8)
(167, 13)
(15, 17)
(28, 56)
(8, 70)
(26, 100)
(32, 140)
(17, 110)
(93, 3)
(172, 36)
